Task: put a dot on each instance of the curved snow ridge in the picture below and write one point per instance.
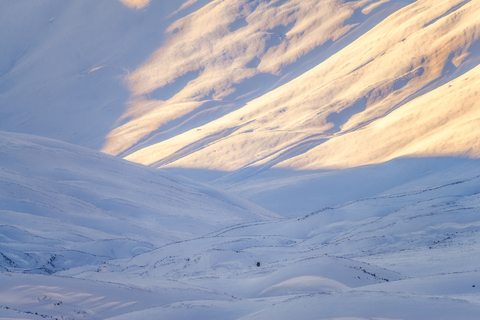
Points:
(302, 285)
(63, 206)
(237, 50)
(370, 109)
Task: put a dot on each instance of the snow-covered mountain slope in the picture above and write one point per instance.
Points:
(63, 63)
(305, 153)
(296, 193)
(63, 206)
(442, 122)
(227, 53)
(123, 241)
(388, 80)
(224, 85)
(411, 253)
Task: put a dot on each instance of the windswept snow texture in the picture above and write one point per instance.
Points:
(84, 235)
(313, 84)
(63, 206)
(358, 82)
(62, 63)
(308, 158)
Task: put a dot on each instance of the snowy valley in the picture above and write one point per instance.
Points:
(252, 159)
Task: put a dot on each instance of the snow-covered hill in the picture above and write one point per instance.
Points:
(64, 206)
(96, 237)
(406, 85)
(306, 159)
(224, 85)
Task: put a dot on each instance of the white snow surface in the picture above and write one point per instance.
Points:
(86, 235)
(72, 205)
(63, 64)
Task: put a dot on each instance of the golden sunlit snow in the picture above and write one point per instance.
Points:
(361, 99)
(135, 3)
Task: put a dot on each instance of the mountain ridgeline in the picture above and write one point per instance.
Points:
(239, 159)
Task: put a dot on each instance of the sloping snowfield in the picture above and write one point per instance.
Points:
(314, 160)
(85, 235)
(73, 206)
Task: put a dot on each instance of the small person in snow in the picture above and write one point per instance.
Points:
(258, 264)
